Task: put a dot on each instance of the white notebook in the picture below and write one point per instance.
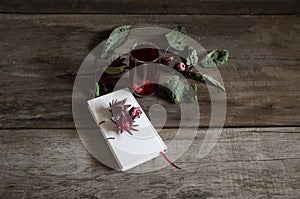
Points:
(128, 150)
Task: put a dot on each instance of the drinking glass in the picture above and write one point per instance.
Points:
(144, 68)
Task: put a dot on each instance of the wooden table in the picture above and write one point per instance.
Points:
(257, 155)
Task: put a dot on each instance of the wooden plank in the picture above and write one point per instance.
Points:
(152, 7)
(245, 163)
(261, 77)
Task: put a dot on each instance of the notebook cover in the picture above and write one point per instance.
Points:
(128, 150)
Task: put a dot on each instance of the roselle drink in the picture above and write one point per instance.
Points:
(144, 69)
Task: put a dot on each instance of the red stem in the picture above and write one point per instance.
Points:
(169, 161)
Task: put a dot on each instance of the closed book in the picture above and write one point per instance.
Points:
(128, 150)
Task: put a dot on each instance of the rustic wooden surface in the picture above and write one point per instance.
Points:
(152, 7)
(246, 163)
(262, 75)
(257, 155)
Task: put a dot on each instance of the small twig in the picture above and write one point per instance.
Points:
(166, 51)
(71, 74)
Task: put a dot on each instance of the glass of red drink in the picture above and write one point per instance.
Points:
(144, 68)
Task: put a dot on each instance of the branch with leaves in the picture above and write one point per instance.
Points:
(177, 39)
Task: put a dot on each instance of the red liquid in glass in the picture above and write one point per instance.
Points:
(144, 69)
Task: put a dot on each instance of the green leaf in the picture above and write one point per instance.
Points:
(114, 70)
(192, 56)
(175, 88)
(213, 82)
(194, 74)
(215, 58)
(100, 89)
(116, 38)
(177, 37)
(97, 90)
(192, 92)
(198, 77)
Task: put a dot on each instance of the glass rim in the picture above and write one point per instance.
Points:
(147, 43)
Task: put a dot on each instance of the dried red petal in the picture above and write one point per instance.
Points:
(135, 112)
(137, 89)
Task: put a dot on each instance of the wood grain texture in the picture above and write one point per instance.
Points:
(261, 77)
(245, 163)
(152, 7)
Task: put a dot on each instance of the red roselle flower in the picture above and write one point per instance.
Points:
(180, 67)
(122, 117)
(135, 112)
